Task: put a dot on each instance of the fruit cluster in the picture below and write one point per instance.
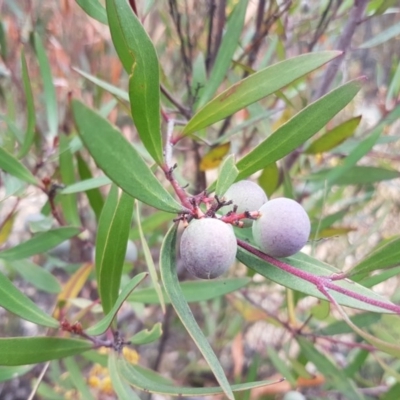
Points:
(208, 245)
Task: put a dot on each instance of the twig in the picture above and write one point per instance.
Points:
(356, 15)
(211, 13)
(184, 110)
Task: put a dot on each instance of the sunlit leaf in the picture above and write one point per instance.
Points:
(40, 243)
(26, 350)
(334, 137)
(298, 129)
(139, 58)
(17, 303)
(256, 87)
(214, 157)
(227, 175)
(120, 161)
(111, 243)
(175, 294)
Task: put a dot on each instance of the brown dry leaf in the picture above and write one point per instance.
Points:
(72, 287)
(237, 355)
(214, 157)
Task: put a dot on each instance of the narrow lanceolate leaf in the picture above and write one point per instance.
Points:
(256, 87)
(48, 86)
(149, 261)
(94, 9)
(310, 265)
(193, 291)
(25, 350)
(171, 285)
(104, 324)
(135, 377)
(8, 373)
(334, 137)
(17, 303)
(11, 165)
(120, 161)
(30, 109)
(298, 129)
(120, 386)
(227, 175)
(382, 37)
(111, 242)
(147, 335)
(88, 184)
(69, 203)
(326, 367)
(77, 378)
(226, 51)
(142, 65)
(40, 243)
(386, 255)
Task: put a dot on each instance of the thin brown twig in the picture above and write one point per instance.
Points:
(182, 109)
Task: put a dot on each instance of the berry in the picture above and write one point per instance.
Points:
(282, 229)
(292, 395)
(208, 247)
(247, 196)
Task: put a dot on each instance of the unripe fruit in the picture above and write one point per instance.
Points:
(248, 196)
(208, 247)
(282, 229)
(292, 395)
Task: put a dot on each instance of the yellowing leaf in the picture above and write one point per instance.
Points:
(269, 179)
(286, 115)
(246, 310)
(214, 157)
(5, 229)
(338, 231)
(72, 288)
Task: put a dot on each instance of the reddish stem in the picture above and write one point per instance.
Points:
(322, 283)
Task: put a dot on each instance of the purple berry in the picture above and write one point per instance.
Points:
(282, 229)
(208, 247)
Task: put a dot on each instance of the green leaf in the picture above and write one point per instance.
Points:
(17, 303)
(385, 255)
(269, 179)
(40, 243)
(147, 336)
(194, 291)
(104, 324)
(77, 378)
(334, 137)
(69, 202)
(256, 87)
(281, 366)
(111, 242)
(149, 261)
(36, 275)
(104, 85)
(175, 294)
(227, 175)
(298, 129)
(226, 52)
(382, 37)
(25, 350)
(357, 175)
(94, 195)
(315, 267)
(326, 367)
(139, 57)
(150, 224)
(134, 376)
(120, 161)
(30, 109)
(48, 87)
(94, 9)
(87, 184)
(8, 373)
(11, 165)
(121, 388)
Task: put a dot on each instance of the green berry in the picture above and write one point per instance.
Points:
(282, 229)
(208, 247)
(247, 196)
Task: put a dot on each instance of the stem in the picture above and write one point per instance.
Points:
(322, 283)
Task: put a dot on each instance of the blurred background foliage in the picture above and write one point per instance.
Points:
(253, 329)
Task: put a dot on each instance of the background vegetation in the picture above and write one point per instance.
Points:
(59, 62)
